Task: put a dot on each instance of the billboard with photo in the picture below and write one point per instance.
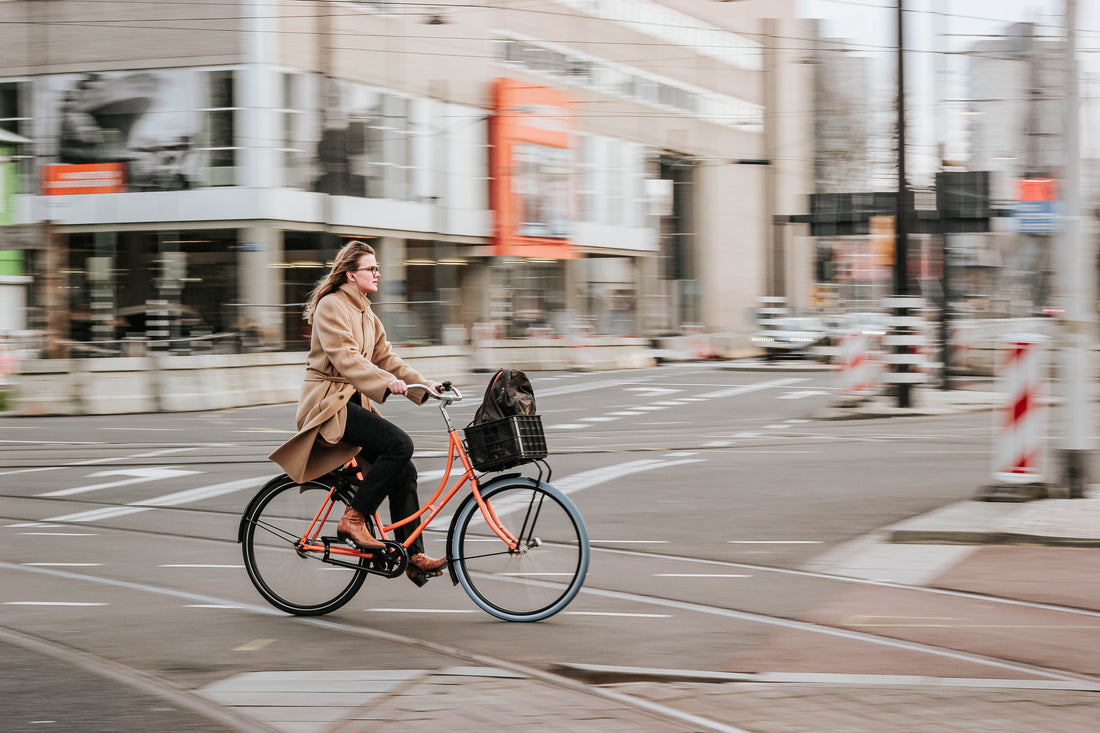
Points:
(170, 129)
(533, 138)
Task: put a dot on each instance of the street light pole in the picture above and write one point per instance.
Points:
(1076, 269)
(901, 234)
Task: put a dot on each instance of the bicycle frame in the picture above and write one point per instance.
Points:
(310, 541)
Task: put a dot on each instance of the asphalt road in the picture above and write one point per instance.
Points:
(118, 535)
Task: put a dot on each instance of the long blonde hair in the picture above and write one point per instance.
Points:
(347, 259)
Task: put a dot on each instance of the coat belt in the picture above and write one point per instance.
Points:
(315, 376)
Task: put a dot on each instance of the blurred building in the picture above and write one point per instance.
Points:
(558, 164)
(1016, 84)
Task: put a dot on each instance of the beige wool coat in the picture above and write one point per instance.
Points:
(348, 353)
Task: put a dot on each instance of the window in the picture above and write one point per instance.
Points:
(220, 129)
(388, 150)
(292, 156)
(13, 107)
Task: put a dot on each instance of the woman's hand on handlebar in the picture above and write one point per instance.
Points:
(397, 387)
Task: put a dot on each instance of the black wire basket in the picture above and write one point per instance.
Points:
(510, 441)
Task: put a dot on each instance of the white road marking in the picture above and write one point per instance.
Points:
(140, 475)
(599, 419)
(800, 394)
(61, 534)
(732, 391)
(777, 426)
(95, 461)
(198, 565)
(180, 497)
(700, 575)
(57, 442)
(629, 597)
(626, 414)
(630, 542)
(651, 408)
(651, 391)
(421, 610)
(774, 542)
(568, 426)
(681, 454)
(64, 564)
(615, 613)
(718, 444)
(50, 603)
(746, 435)
(587, 479)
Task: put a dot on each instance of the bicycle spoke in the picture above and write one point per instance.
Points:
(543, 574)
(289, 577)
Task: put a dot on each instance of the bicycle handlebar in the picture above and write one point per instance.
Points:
(450, 392)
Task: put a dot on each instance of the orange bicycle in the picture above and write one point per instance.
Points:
(516, 544)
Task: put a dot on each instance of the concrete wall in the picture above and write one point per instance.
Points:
(212, 382)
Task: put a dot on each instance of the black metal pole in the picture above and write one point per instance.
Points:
(901, 256)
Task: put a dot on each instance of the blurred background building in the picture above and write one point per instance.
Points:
(615, 167)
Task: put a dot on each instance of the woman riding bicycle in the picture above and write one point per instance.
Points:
(350, 368)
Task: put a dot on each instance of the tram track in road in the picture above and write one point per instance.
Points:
(559, 675)
(46, 456)
(751, 613)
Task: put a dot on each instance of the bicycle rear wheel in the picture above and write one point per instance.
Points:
(539, 578)
(292, 580)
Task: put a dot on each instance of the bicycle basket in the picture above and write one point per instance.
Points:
(510, 441)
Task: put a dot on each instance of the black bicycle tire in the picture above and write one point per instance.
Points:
(253, 513)
(470, 510)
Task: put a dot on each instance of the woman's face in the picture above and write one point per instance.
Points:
(365, 274)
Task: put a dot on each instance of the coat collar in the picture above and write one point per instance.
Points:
(357, 299)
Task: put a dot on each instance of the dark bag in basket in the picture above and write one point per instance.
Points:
(509, 393)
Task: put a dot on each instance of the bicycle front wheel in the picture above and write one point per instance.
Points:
(542, 575)
(293, 580)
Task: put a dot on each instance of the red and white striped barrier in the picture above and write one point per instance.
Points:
(859, 366)
(1018, 440)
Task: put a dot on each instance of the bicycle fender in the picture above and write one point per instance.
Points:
(255, 498)
(505, 478)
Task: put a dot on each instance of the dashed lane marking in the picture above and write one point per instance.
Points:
(60, 534)
(774, 542)
(198, 565)
(701, 575)
(64, 564)
(51, 603)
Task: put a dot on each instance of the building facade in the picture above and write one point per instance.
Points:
(593, 165)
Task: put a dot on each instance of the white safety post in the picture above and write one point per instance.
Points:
(857, 370)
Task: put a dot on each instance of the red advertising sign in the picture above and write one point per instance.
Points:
(60, 180)
(533, 135)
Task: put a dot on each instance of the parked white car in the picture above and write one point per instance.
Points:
(796, 337)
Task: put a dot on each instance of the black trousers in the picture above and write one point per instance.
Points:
(389, 451)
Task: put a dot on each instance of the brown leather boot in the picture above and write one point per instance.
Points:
(353, 526)
(421, 568)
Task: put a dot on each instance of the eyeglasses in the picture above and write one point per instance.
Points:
(373, 269)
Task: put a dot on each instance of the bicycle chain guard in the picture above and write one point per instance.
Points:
(389, 562)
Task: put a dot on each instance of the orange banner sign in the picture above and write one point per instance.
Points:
(58, 180)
